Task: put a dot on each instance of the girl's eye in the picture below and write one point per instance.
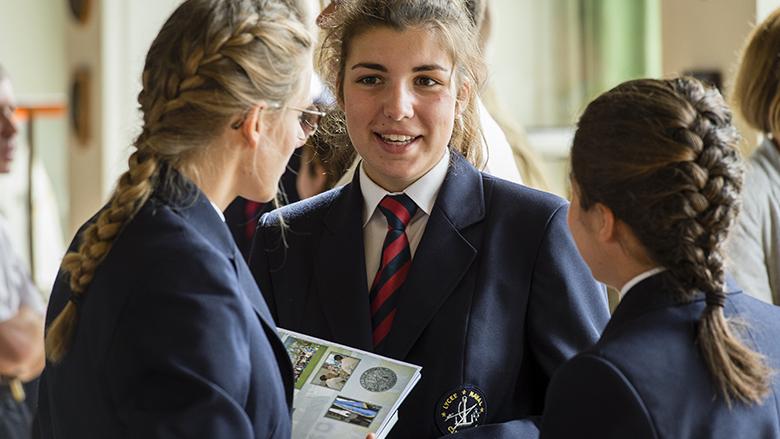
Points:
(368, 80)
(426, 81)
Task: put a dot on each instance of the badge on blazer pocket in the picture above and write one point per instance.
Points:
(463, 408)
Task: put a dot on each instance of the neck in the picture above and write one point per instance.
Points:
(629, 272)
(626, 259)
(214, 175)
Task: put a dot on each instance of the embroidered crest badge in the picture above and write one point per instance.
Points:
(460, 409)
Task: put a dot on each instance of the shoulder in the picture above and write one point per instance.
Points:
(596, 366)
(590, 396)
(507, 191)
(302, 212)
(761, 321)
(517, 201)
(164, 247)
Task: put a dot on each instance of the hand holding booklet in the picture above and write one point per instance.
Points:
(342, 392)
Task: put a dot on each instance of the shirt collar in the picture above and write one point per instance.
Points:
(219, 212)
(639, 278)
(423, 191)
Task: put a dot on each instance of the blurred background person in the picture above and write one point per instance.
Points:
(21, 306)
(754, 248)
(155, 327)
(501, 133)
(656, 177)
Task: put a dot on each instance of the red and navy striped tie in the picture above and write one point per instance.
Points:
(396, 260)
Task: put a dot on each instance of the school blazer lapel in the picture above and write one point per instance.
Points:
(341, 270)
(442, 258)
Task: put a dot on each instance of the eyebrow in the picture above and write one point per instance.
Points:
(381, 68)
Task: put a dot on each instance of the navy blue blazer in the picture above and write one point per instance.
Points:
(173, 338)
(496, 299)
(645, 378)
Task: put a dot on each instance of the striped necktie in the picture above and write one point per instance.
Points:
(394, 266)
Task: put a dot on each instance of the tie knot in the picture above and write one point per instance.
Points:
(398, 209)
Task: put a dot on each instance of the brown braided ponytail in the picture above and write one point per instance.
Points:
(662, 155)
(211, 61)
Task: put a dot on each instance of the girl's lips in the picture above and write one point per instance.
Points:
(395, 143)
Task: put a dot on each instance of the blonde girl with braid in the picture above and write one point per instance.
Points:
(656, 178)
(155, 327)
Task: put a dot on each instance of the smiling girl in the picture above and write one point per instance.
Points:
(422, 257)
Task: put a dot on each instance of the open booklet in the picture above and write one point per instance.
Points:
(342, 392)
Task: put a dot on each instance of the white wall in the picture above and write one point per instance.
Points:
(764, 7)
(511, 51)
(31, 45)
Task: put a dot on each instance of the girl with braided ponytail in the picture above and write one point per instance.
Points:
(155, 327)
(656, 179)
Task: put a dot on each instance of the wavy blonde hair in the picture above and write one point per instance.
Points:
(211, 62)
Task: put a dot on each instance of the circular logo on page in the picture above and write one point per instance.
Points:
(378, 379)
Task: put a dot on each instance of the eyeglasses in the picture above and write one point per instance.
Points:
(309, 118)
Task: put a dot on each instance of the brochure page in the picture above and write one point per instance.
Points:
(341, 392)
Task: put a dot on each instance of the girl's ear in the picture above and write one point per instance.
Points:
(606, 223)
(253, 125)
(462, 100)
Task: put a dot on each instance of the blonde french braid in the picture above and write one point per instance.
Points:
(212, 60)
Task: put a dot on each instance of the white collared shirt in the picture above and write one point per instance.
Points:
(423, 192)
(16, 288)
(219, 212)
(639, 278)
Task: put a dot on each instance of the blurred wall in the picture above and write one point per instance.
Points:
(112, 44)
(32, 45)
(32, 50)
(709, 34)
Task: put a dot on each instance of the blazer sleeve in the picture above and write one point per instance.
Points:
(590, 397)
(180, 359)
(567, 309)
(259, 257)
